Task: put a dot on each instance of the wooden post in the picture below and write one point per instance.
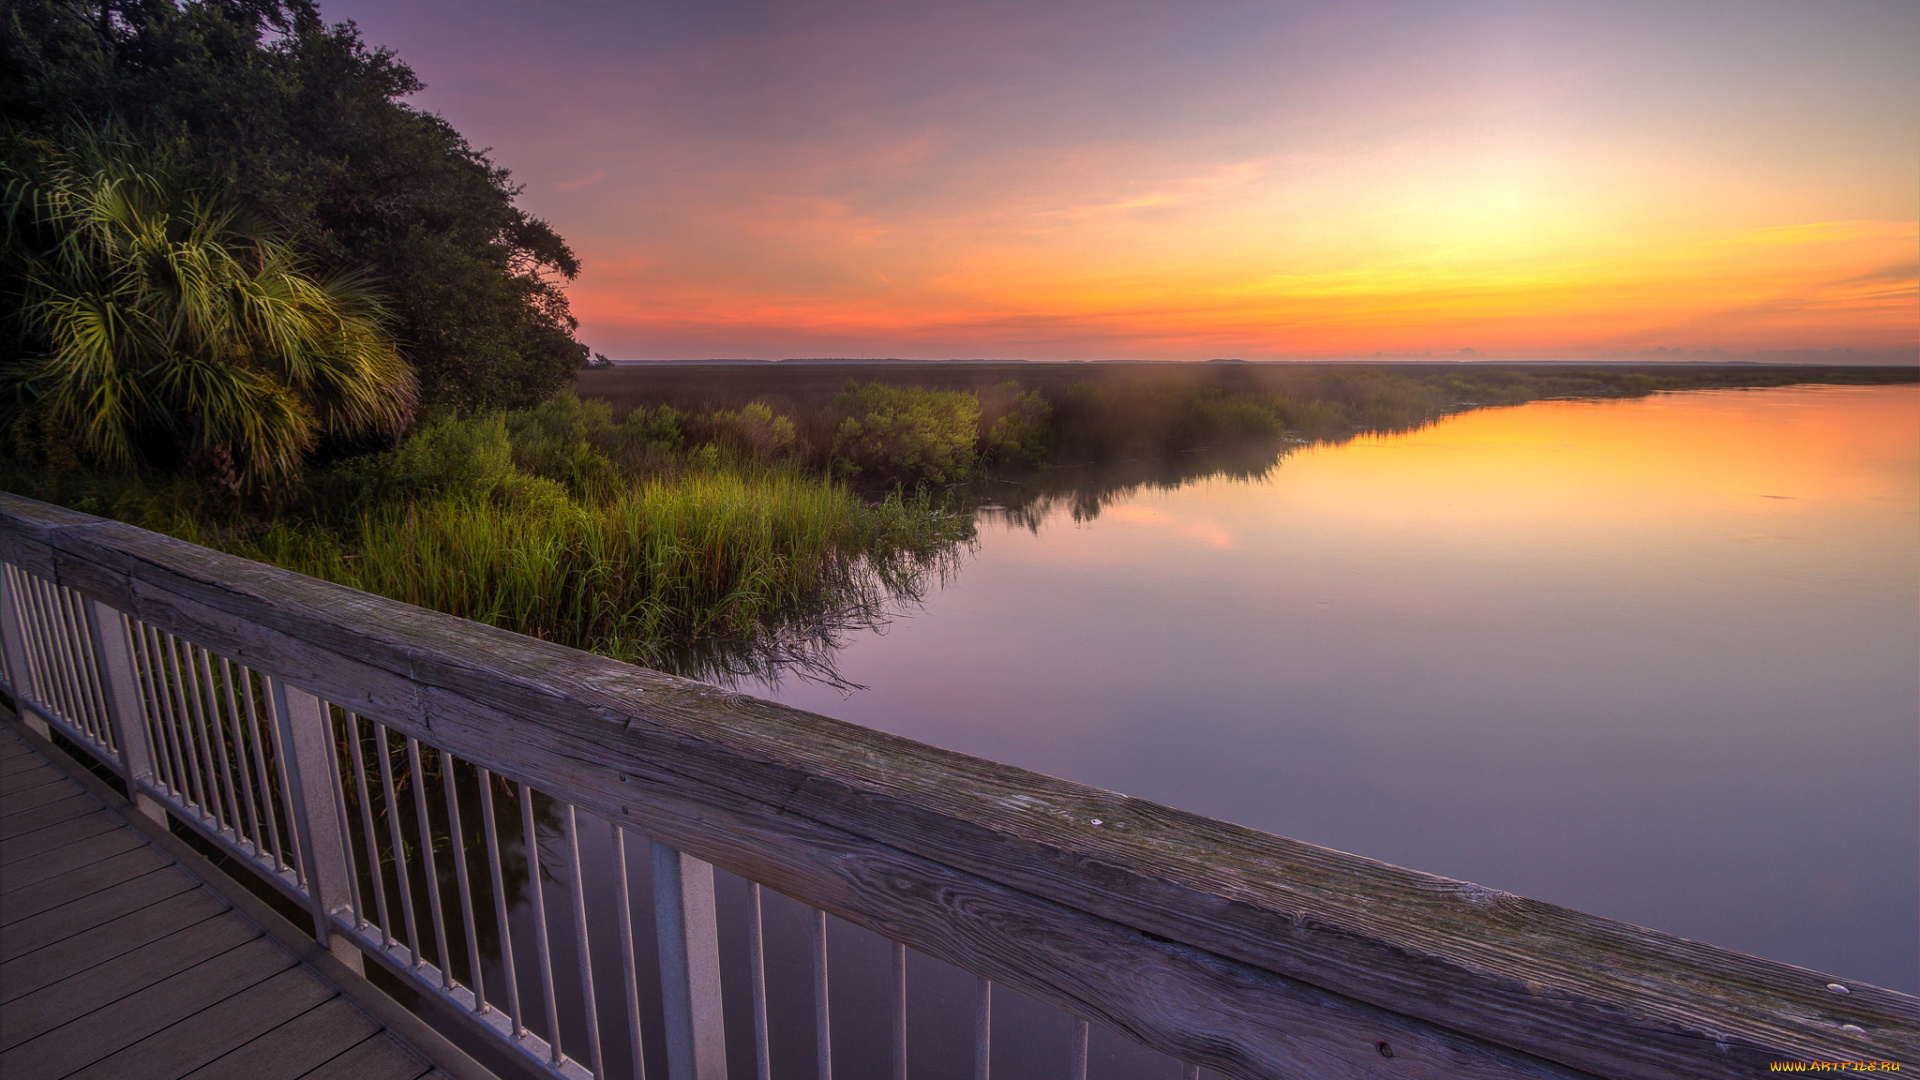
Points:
(125, 715)
(306, 738)
(13, 639)
(689, 965)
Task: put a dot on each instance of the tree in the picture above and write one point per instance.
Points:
(172, 331)
(307, 128)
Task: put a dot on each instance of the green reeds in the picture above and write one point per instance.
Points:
(670, 560)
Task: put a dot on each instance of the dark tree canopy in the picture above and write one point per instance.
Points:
(306, 127)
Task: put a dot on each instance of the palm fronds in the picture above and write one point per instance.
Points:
(157, 315)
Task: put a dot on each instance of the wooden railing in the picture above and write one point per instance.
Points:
(351, 747)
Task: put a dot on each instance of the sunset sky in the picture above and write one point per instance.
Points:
(1160, 180)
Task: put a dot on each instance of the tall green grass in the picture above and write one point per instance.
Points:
(690, 559)
(703, 555)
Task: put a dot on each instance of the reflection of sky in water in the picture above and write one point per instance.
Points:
(1653, 659)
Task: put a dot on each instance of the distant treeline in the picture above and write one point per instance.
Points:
(943, 422)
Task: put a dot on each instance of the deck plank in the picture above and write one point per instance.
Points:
(86, 1039)
(103, 984)
(20, 765)
(27, 873)
(44, 967)
(78, 916)
(83, 880)
(30, 779)
(296, 1047)
(216, 1030)
(380, 1058)
(54, 837)
(46, 815)
(38, 789)
(115, 961)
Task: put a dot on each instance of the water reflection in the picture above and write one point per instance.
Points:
(1653, 659)
(1608, 654)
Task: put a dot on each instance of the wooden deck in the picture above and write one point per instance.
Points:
(115, 961)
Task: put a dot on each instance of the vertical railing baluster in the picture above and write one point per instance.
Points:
(261, 775)
(1077, 1062)
(217, 740)
(589, 1005)
(757, 968)
(113, 650)
(629, 969)
(51, 677)
(203, 765)
(83, 643)
(458, 837)
(306, 744)
(166, 756)
(401, 877)
(899, 1001)
(428, 865)
(488, 822)
(241, 774)
(337, 784)
(93, 720)
(53, 687)
(542, 946)
(289, 805)
(689, 940)
(13, 641)
(190, 749)
(983, 1030)
(369, 834)
(822, 1021)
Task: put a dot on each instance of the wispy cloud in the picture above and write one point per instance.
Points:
(588, 180)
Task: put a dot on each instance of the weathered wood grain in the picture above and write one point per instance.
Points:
(907, 838)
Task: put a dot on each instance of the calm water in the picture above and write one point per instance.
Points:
(1654, 659)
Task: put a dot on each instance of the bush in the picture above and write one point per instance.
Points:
(752, 432)
(1212, 417)
(906, 432)
(453, 457)
(1015, 425)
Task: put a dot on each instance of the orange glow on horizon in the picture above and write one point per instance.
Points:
(1168, 181)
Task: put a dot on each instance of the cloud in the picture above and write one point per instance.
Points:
(590, 179)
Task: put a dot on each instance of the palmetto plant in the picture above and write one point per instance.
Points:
(154, 318)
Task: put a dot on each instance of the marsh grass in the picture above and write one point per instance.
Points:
(703, 555)
(699, 562)
(710, 529)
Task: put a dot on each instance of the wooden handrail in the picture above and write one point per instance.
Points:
(1249, 953)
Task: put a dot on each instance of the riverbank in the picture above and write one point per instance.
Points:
(735, 519)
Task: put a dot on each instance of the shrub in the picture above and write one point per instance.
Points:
(453, 457)
(1212, 417)
(752, 432)
(906, 432)
(1015, 424)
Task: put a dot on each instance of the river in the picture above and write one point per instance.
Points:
(1655, 659)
